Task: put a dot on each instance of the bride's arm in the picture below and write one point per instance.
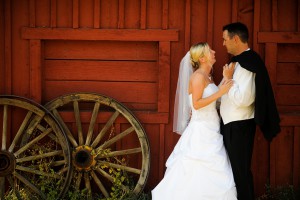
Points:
(198, 85)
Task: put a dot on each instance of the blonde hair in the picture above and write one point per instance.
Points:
(198, 51)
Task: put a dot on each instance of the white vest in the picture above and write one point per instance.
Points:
(238, 103)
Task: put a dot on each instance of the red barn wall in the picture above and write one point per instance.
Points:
(130, 50)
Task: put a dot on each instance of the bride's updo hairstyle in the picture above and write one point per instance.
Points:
(198, 51)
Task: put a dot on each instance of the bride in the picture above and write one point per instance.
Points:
(198, 168)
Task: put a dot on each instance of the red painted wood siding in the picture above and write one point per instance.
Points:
(131, 49)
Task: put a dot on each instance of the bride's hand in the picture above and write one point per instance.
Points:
(228, 71)
(225, 87)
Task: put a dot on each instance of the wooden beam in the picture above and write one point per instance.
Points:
(271, 63)
(7, 48)
(96, 13)
(210, 22)
(279, 37)
(100, 34)
(298, 28)
(290, 119)
(234, 10)
(161, 164)
(32, 13)
(143, 14)
(274, 15)
(187, 27)
(35, 70)
(121, 18)
(256, 25)
(75, 14)
(164, 77)
(165, 14)
(296, 166)
(53, 13)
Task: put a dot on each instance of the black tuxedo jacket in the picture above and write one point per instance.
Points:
(266, 115)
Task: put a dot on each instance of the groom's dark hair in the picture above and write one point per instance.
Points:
(239, 29)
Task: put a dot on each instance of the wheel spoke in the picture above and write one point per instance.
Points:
(78, 122)
(109, 177)
(63, 170)
(58, 163)
(11, 182)
(129, 169)
(30, 185)
(92, 123)
(25, 147)
(34, 171)
(45, 155)
(87, 183)
(105, 128)
(120, 153)
(4, 128)
(115, 139)
(33, 124)
(78, 180)
(65, 127)
(20, 131)
(99, 184)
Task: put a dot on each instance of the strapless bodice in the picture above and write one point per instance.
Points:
(208, 112)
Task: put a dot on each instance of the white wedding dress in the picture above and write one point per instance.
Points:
(198, 168)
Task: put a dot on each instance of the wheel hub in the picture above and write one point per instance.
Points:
(83, 159)
(7, 163)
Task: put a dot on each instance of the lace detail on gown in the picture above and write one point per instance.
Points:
(198, 168)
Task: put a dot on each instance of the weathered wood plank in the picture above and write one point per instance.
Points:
(164, 77)
(86, 14)
(165, 15)
(75, 15)
(64, 14)
(7, 34)
(270, 60)
(100, 70)
(287, 53)
(290, 119)
(96, 13)
(143, 117)
(102, 50)
(274, 15)
(35, 70)
(288, 73)
(296, 158)
(53, 13)
(187, 27)
(99, 34)
(210, 22)
(279, 37)
(32, 13)
(42, 16)
(143, 17)
(288, 95)
(256, 24)
(121, 14)
(135, 91)
(284, 156)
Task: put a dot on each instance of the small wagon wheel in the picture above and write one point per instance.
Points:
(109, 144)
(35, 160)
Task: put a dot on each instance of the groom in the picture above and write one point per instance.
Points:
(248, 103)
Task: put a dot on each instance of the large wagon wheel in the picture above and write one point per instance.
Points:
(110, 146)
(35, 158)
